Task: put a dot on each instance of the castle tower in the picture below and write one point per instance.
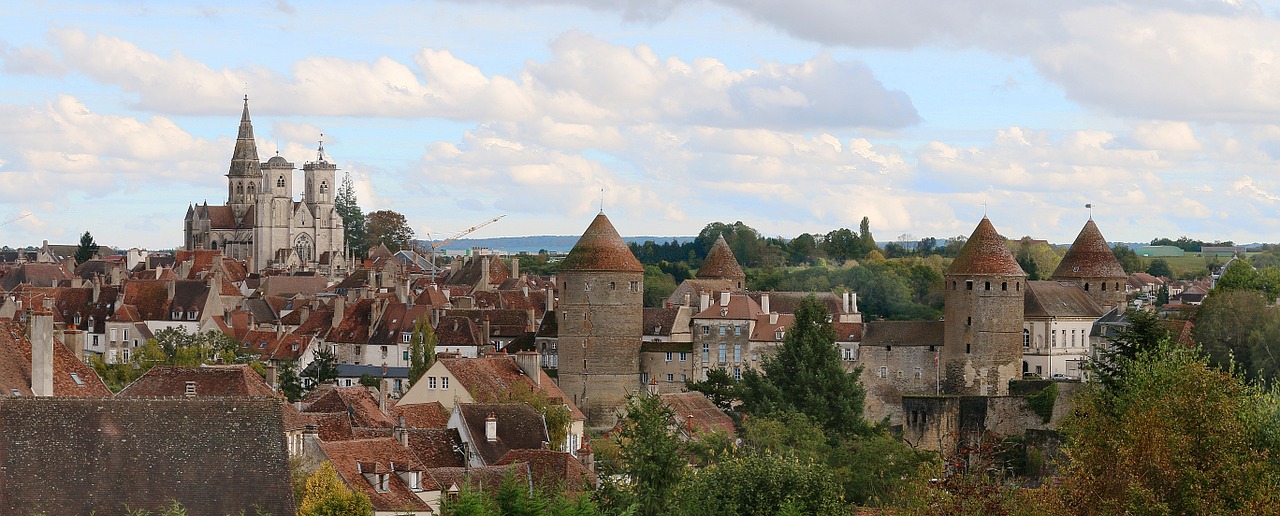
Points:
(1091, 264)
(721, 264)
(983, 314)
(244, 177)
(601, 300)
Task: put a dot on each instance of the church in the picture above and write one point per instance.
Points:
(262, 223)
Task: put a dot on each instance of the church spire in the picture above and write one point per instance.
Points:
(244, 160)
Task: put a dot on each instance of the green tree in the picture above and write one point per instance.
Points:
(719, 387)
(1144, 331)
(1177, 437)
(1162, 295)
(1159, 268)
(352, 217)
(323, 368)
(1129, 260)
(387, 228)
(865, 239)
(807, 375)
(327, 495)
(658, 285)
(422, 348)
(1238, 330)
(290, 383)
(651, 455)
(759, 483)
(87, 248)
(1240, 275)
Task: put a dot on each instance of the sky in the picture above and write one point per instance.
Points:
(790, 116)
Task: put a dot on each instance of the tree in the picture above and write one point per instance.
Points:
(719, 387)
(323, 368)
(650, 452)
(807, 375)
(352, 217)
(422, 348)
(759, 483)
(1162, 295)
(1177, 437)
(1160, 268)
(1238, 330)
(290, 383)
(1239, 275)
(1129, 260)
(867, 242)
(326, 495)
(1144, 331)
(87, 248)
(387, 228)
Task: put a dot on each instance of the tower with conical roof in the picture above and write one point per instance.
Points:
(601, 310)
(721, 264)
(244, 177)
(983, 312)
(1091, 264)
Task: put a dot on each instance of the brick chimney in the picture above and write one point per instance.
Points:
(41, 338)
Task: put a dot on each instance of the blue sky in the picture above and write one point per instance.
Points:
(796, 116)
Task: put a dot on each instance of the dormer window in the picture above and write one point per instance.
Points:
(175, 315)
(191, 315)
(382, 482)
(77, 320)
(404, 337)
(777, 335)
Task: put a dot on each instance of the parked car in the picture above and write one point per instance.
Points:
(1063, 377)
(1030, 376)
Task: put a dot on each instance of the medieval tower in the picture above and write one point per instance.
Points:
(720, 264)
(1091, 264)
(601, 306)
(982, 341)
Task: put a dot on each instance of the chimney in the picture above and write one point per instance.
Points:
(764, 302)
(704, 302)
(528, 362)
(173, 287)
(41, 338)
(532, 318)
(524, 289)
(401, 432)
(686, 300)
(587, 457)
(724, 299)
(279, 330)
(272, 378)
(77, 282)
(491, 428)
(515, 267)
(310, 435)
(551, 299)
(74, 340)
(844, 302)
(483, 286)
(339, 309)
(853, 302)
(484, 339)
(435, 317)
(384, 390)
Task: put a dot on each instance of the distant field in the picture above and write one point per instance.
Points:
(1191, 262)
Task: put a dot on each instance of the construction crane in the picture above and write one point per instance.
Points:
(15, 219)
(435, 246)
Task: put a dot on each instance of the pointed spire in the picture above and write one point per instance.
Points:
(244, 159)
(601, 249)
(720, 262)
(1089, 257)
(985, 254)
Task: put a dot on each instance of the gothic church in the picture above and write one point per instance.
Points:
(261, 223)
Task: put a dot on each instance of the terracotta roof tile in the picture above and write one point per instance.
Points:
(696, 414)
(903, 333)
(437, 447)
(985, 254)
(520, 427)
(423, 415)
(553, 470)
(1089, 257)
(384, 455)
(485, 478)
(209, 381)
(720, 263)
(358, 402)
(15, 367)
(601, 249)
(1058, 299)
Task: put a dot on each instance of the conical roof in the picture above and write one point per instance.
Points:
(1089, 257)
(601, 249)
(720, 262)
(244, 160)
(985, 254)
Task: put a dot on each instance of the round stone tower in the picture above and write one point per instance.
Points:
(983, 312)
(721, 264)
(601, 311)
(1091, 264)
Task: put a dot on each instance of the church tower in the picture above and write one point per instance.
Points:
(244, 178)
(1091, 264)
(272, 212)
(601, 306)
(983, 313)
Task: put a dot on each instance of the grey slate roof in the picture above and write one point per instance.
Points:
(215, 456)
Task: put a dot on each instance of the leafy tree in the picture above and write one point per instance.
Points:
(422, 348)
(368, 380)
(806, 375)
(290, 383)
(658, 286)
(1159, 268)
(87, 248)
(387, 228)
(1239, 275)
(1143, 332)
(803, 250)
(1177, 437)
(1238, 329)
(1162, 295)
(759, 483)
(651, 456)
(719, 387)
(352, 217)
(327, 495)
(1129, 260)
(865, 239)
(323, 368)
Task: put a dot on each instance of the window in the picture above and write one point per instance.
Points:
(77, 320)
(777, 335)
(671, 377)
(968, 285)
(431, 382)
(1004, 285)
(1073, 338)
(737, 353)
(382, 483)
(124, 334)
(280, 182)
(113, 335)
(125, 353)
(899, 374)
(384, 352)
(884, 372)
(644, 378)
(324, 187)
(357, 353)
(668, 356)
(175, 315)
(706, 353)
(722, 353)
(706, 330)
(635, 286)
(95, 340)
(1086, 287)
(986, 285)
(722, 330)
(444, 382)
(1026, 338)
(405, 356)
(613, 285)
(76, 378)
(586, 286)
(684, 356)
(918, 372)
(737, 329)
(683, 378)
(404, 337)
(191, 315)
(737, 373)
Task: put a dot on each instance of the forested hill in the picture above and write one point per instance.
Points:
(533, 244)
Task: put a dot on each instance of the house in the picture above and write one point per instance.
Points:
(722, 332)
(34, 363)
(666, 356)
(490, 430)
(198, 382)
(215, 456)
(552, 470)
(1058, 317)
(385, 470)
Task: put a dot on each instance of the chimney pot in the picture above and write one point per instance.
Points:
(491, 428)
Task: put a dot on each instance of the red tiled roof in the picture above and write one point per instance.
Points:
(356, 401)
(350, 458)
(162, 380)
(766, 332)
(740, 307)
(485, 478)
(553, 470)
(985, 254)
(696, 414)
(437, 447)
(601, 249)
(422, 415)
(1089, 257)
(520, 427)
(1058, 299)
(720, 262)
(15, 367)
(489, 378)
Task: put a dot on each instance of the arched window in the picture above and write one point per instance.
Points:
(280, 182)
(251, 189)
(1004, 285)
(239, 188)
(213, 246)
(1086, 287)
(324, 187)
(303, 247)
